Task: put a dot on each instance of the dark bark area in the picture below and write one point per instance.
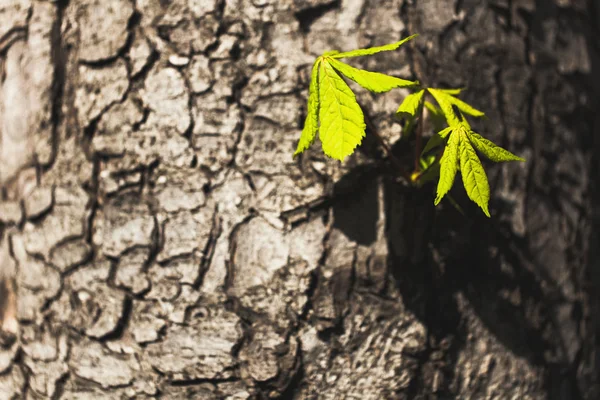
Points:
(164, 244)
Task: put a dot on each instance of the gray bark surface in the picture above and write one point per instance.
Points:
(164, 244)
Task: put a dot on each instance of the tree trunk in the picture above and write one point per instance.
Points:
(164, 244)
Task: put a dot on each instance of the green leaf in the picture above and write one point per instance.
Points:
(342, 121)
(437, 116)
(490, 150)
(466, 108)
(465, 123)
(411, 104)
(374, 81)
(433, 109)
(446, 101)
(452, 92)
(427, 161)
(311, 122)
(373, 50)
(436, 140)
(462, 106)
(446, 106)
(473, 174)
(445, 132)
(448, 167)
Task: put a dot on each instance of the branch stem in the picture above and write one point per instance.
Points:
(419, 141)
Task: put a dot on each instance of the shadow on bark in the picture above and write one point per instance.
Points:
(439, 257)
(593, 265)
(447, 266)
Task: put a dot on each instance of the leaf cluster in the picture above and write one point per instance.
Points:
(334, 112)
(332, 106)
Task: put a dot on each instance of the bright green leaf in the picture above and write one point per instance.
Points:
(446, 106)
(427, 161)
(311, 122)
(436, 115)
(374, 50)
(490, 150)
(465, 123)
(446, 101)
(374, 81)
(473, 174)
(448, 167)
(453, 92)
(435, 141)
(445, 132)
(433, 109)
(411, 104)
(342, 121)
(464, 107)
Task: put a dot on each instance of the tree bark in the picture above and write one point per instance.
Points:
(164, 244)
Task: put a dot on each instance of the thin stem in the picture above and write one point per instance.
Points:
(418, 141)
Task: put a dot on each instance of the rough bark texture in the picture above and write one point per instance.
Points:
(164, 244)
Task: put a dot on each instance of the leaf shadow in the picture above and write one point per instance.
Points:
(356, 207)
(447, 267)
(440, 260)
